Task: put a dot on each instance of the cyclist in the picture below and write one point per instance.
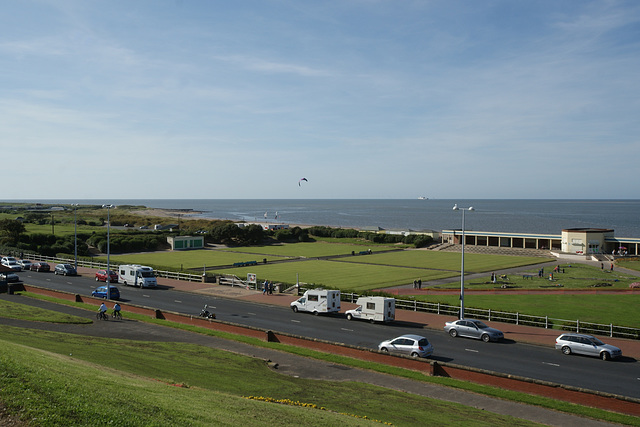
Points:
(116, 311)
(102, 311)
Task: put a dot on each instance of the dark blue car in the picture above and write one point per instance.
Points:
(101, 292)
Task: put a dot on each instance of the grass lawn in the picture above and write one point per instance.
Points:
(55, 379)
(309, 249)
(571, 276)
(447, 260)
(12, 310)
(620, 310)
(339, 275)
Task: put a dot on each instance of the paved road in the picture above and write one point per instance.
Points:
(293, 365)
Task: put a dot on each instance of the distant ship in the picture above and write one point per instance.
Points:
(423, 198)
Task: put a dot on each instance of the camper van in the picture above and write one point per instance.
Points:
(137, 275)
(374, 309)
(318, 301)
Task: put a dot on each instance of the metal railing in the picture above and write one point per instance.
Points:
(515, 318)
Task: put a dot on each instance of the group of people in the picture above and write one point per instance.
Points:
(116, 310)
(417, 284)
(267, 288)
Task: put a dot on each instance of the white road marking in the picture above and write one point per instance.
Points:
(550, 364)
(296, 321)
(345, 329)
(175, 300)
(471, 350)
(252, 314)
(146, 296)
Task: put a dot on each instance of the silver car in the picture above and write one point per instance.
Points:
(472, 328)
(587, 345)
(412, 345)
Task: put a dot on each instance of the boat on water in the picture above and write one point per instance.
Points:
(423, 198)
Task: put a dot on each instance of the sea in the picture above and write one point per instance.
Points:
(544, 216)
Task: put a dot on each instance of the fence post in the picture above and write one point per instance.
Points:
(546, 322)
(577, 326)
(415, 305)
(438, 309)
(489, 315)
(611, 330)
(517, 318)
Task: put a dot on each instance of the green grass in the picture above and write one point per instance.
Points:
(311, 249)
(57, 379)
(620, 310)
(574, 277)
(339, 275)
(14, 310)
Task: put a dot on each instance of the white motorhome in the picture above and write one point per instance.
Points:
(374, 309)
(318, 301)
(137, 275)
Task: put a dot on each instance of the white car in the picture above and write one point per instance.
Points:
(25, 263)
(12, 264)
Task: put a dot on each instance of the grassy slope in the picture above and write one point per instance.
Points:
(62, 388)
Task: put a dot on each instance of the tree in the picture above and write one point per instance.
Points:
(11, 230)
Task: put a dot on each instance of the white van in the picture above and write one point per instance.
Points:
(374, 309)
(137, 275)
(318, 301)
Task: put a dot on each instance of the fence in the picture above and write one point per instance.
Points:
(103, 265)
(516, 318)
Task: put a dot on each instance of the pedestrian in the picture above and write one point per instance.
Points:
(264, 287)
(601, 266)
(611, 266)
(415, 284)
(419, 283)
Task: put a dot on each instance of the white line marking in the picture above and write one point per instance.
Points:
(146, 296)
(550, 364)
(296, 321)
(176, 300)
(252, 314)
(471, 350)
(345, 329)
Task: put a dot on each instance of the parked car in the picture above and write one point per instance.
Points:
(472, 328)
(65, 270)
(587, 345)
(12, 264)
(40, 266)
(101, 276)
(7, 259)
(101, 292)
(25, 264)
(10, 277)
(412, 345)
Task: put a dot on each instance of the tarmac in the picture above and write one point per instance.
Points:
(302, 367)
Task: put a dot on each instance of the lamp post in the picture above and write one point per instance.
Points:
(108, 251)
(75, 235)
(456, 208)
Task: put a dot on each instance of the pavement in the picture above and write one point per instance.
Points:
(302, 367)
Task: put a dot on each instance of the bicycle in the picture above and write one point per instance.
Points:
(101, 315)
(117, 315)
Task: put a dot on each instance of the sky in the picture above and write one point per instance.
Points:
(366, 99)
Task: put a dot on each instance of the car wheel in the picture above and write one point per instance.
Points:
(372, 321)
(315, 313)
(384, 350)
(566, 350)
(349, 317)
(605, 356)
(485, 338)
(453, 333)
(415, 355)
(295, 309)
(97, 280)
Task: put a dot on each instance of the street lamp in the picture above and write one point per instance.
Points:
(456, 208)
(75, 234)
(108, 249)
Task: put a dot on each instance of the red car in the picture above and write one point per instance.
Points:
(40, 266)
(101, 276)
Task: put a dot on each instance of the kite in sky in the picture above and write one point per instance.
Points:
(302, 179)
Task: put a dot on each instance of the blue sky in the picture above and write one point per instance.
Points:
(364, 98)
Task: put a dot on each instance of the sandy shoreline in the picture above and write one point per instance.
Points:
(188, 214)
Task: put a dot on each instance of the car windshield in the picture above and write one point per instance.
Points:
(480, 325)
(596, 341)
